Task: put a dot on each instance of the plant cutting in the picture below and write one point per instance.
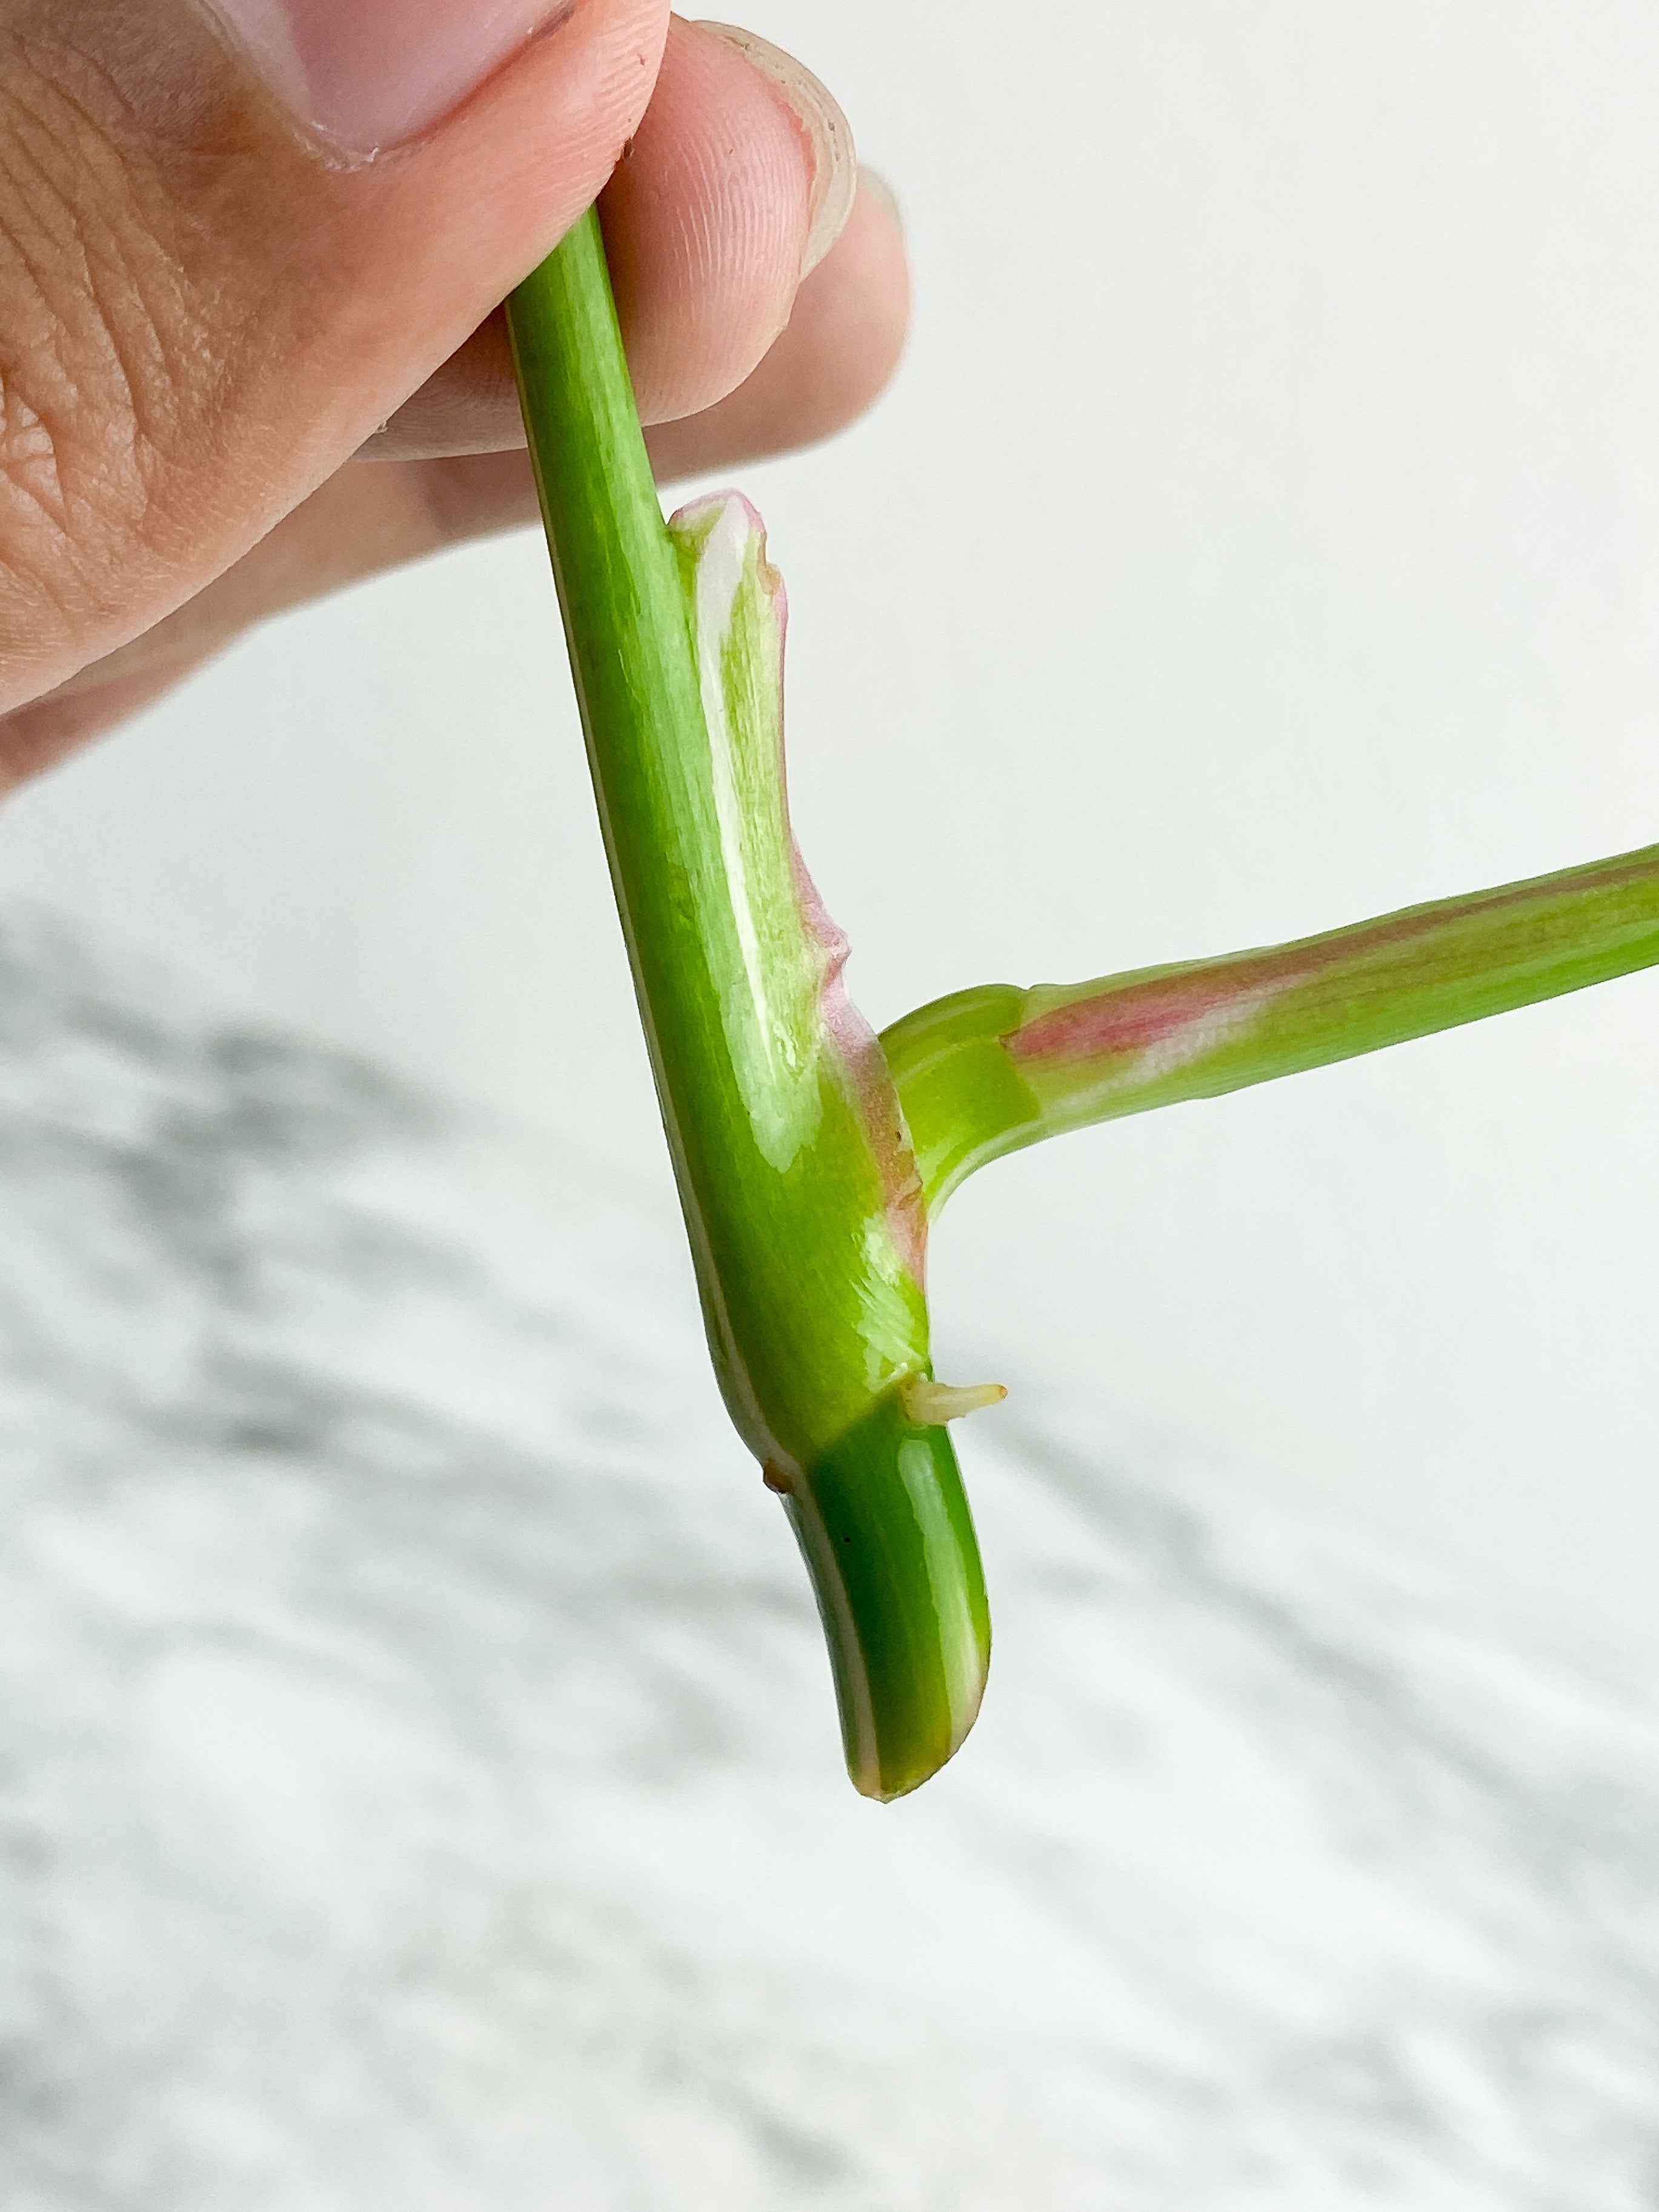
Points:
(812, 1156)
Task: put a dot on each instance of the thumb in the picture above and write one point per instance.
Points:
(232, 244)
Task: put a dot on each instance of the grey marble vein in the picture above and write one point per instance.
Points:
(418, 1787)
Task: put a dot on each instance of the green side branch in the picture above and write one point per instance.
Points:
(990, 1071)
(801, 1197)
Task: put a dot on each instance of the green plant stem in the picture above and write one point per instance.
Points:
(800, 1192)
(809, 1159)
(987, 1071)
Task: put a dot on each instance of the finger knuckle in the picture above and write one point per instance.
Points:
(100, 357)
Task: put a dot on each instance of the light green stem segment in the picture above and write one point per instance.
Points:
(990, 1071)
(800, 1191)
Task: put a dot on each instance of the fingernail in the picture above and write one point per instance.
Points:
(872, 181)
(371, 73)
(834, 163)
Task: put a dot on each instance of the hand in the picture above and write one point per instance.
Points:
(248, 261)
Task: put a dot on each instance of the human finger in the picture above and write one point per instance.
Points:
(708, 235)
(833, 358)
(229, 249)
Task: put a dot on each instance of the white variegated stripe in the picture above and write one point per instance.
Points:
(798, 1013)
(1205, 1034)
(721, 560)
(782, 1110)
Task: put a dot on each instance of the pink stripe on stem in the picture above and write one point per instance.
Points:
(1133, 1017)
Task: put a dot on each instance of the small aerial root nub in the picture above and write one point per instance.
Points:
(930, 1405)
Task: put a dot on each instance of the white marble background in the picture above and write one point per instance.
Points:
(419, 1787)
